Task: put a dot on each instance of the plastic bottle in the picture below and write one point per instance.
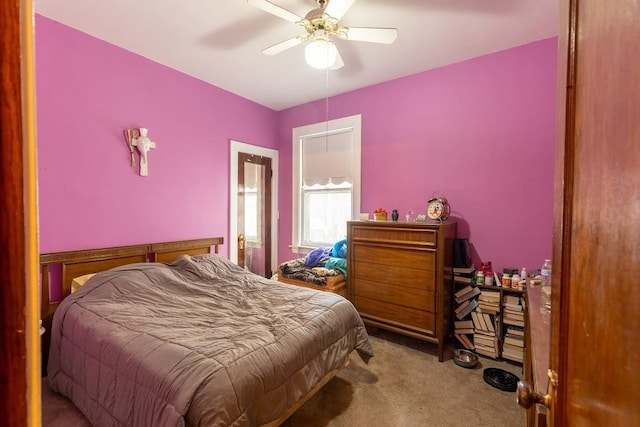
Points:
(488, 279)
(545, 272)
(488, 273)
(506, 281)
(523, 277)
(515, 280)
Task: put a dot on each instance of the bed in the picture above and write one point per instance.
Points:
(171, 334)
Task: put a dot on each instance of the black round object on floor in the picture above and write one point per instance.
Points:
(501, 379)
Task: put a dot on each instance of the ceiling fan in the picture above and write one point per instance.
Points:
(320, 24)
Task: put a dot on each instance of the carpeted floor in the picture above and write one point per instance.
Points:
(403, 385)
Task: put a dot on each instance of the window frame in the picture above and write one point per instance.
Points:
(351, 124)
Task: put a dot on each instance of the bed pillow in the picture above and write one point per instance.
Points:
(77, 282)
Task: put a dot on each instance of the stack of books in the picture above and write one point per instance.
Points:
(513, 345)
(464, 328)
(489, 301)
(465, 298)
(466, 293)
(488, 320)
(513, 310)
(466, 302)
(464, 274)
(485, 326)
(484, 322)
(486, 344)
(513, 302)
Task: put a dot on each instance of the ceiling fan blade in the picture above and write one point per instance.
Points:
(337, 8)
(339, 62)
(374, 35)
(282, 46)
(274, 9)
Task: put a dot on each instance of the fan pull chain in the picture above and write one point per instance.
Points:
(326, 110)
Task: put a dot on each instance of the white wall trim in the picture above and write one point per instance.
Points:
(241, 147)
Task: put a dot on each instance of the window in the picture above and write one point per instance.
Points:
(326, 181)
(252, 215)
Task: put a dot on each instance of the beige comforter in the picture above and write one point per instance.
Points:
(196, 342)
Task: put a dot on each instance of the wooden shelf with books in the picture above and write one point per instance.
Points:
(489, 319)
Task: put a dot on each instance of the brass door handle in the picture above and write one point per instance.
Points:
(526, 397)
(241, 241)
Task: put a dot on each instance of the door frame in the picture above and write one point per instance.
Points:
(20, 339)
(242, 147)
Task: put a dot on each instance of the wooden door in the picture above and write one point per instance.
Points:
(13, 405)
(19, 348)
(595, 328)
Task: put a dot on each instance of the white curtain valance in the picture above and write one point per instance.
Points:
(334, 180)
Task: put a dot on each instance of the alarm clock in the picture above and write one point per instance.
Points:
(438, 209)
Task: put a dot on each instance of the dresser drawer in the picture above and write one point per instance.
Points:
(396, 314)
(392, 274)
(419, 299)
(418, 259)
(421, 236)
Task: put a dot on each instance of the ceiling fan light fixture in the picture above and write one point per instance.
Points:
(319, 24)
(321, 53)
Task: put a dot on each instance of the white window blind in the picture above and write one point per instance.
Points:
(327, 159)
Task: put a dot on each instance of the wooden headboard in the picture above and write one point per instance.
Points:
(79, 263)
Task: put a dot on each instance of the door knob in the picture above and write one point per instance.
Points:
(526, 397)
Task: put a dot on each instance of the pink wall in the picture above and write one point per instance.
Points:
(481, 132)
(88, 91)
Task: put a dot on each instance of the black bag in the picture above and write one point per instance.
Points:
(461, 253)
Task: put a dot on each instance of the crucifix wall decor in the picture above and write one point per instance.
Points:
(138, 138)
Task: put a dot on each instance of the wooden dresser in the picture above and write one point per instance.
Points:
(399, 277)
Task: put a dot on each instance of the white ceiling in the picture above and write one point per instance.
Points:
(220, 41)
